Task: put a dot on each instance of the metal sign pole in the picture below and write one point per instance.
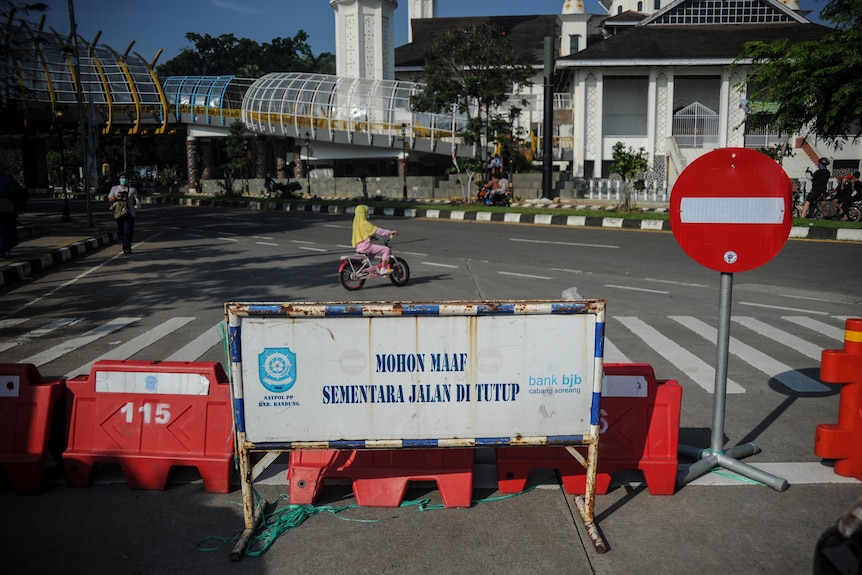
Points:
(715, 456)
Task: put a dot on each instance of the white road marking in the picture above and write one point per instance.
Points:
(136, 344)
(782, 308)
(632, 288)
(525, 275)
(613, 354)
(581, 245)
(308, 249)
(38, 332)
(439, 265)
(773, 368)
(818, 326)
(62, 349)
(691, 365)
(266, 244)
(793, 342)
(199, 346)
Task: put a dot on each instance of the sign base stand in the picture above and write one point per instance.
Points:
(715, 456)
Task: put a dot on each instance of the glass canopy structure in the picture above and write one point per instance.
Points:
(119, 92)
(344, 110)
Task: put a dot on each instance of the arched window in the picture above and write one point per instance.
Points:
(640, 6)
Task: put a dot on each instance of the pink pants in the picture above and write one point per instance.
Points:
(369, 247)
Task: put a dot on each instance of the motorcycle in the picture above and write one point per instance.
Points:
(355, 269)
(494, 197)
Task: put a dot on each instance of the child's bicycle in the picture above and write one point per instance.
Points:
(355, 269)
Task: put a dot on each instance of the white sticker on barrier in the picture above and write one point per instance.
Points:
(10, 385)
(624, 386)
(161, 383)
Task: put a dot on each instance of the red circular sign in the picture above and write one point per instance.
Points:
(730, 210)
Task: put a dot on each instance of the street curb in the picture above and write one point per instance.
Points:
(22, 270)
(796, 232)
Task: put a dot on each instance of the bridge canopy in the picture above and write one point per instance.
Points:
(37, 81)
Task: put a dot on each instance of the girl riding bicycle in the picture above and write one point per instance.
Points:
(364, 231)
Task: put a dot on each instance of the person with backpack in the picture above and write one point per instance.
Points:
(124, 200)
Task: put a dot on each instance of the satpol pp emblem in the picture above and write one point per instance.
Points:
(277, 369)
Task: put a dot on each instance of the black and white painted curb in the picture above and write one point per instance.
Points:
(23, 270)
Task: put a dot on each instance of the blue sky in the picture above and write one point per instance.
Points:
(155, 24)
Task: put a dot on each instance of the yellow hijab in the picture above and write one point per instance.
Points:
(362, 228)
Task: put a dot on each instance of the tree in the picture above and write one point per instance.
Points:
(472, 69)
(629, 164)
(228, 55)
(814, 84)
(236, 148)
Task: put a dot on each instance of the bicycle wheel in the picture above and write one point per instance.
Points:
(400, 271)
(854, 213)
(348, 274)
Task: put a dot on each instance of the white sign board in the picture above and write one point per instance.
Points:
(443, 374)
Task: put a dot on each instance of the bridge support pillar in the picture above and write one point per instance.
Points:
(192, 160)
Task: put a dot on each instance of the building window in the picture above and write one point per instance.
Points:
(619, 9)
(574, 43)
(657, 5)
(640, 6)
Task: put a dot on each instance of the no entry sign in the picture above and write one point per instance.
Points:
(730, 209)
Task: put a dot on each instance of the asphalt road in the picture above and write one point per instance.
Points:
(167, 299)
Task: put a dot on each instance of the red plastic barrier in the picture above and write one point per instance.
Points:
(843, 441)
(639, 430)
(380, 477)
(27, 404)
(149, 417)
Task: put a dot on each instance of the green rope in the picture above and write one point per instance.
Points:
(282, 520)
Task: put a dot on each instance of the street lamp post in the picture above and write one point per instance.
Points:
(404, 161)
(65, 214)
(307, 164)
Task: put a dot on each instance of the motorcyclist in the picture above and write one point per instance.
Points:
(819, 180)
(849, 191)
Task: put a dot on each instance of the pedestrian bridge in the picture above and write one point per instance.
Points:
(329, 111)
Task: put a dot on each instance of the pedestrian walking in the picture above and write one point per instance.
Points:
(124, 200)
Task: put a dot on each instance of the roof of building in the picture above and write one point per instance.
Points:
(527, 33)
(693, 42)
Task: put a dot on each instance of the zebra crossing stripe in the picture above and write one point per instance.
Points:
(39, 332)
(613, 353)
(12, 322)
(136, 344)
(691, 365)
(199, 346)
(62, 349)
(793, 342)
(782, 373)
(818, 326)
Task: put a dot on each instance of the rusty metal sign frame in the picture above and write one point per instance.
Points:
(236, 313)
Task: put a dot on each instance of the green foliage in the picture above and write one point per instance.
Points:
(628, 163)
(236, 148)
(228, 55)
(472, 70)
(816, 84)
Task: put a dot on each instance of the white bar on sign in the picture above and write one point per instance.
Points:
(160, 383)
(732, 210)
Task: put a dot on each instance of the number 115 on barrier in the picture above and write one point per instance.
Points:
(158, 413)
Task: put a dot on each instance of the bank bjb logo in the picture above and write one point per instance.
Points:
(277, 369)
